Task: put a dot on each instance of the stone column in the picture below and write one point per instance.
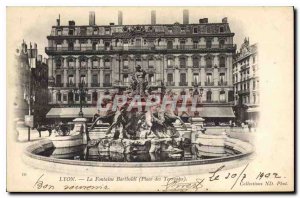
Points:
(77, 72)
(101, 77)
(65, 63)
(176, 77)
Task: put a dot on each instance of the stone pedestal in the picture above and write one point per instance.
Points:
(80, 128)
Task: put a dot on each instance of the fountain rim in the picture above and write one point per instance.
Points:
(30, 149)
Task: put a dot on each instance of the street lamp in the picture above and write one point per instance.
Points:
(81, 93)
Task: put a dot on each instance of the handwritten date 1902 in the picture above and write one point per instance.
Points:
(263, 175)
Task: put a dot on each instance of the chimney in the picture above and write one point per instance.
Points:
(185, 16)
(153, 17)
(120, 18)
(92, 18)
(204, 20)
(224, 20)
(58, 20)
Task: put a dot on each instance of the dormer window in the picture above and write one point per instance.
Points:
(195, 30)
(221, 29)
(107, 30)
(95, 32)
(170, 30)
(58, 32)
(71, 32)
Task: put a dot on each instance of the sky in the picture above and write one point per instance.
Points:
(33, 24)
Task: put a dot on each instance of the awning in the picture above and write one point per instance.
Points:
(70, 112)
(215, 112)
(253, 110)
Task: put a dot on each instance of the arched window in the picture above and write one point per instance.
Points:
(71, 62)
(208, 96)
(83, 62)
(58, 62)
(222, 96)
(182, 62)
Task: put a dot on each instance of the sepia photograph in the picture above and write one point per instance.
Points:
(150, 99)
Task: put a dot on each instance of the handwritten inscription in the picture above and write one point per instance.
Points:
(41, 185)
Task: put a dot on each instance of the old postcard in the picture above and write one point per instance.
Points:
(150, 99)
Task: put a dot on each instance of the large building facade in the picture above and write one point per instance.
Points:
(246, 82)
(103, 57)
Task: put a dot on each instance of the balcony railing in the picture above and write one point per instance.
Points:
(245, 91)
(137, 48)
(209, 83)
(183, 83)
(107, 84)
(196, 84)
(71, 85)
(170, 84)
(58, 85)
(220, 83)
(95, 84)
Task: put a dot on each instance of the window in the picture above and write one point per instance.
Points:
(182, 29)
(107, 30)
(58, 63)
(222, 78)
(170, 78)
(151, 62)
(182, 44)
(76, 96)
(95, 79)
(222, 61)
(169, 62)
(71, 80)
(195, 30)
(208, 77)
(196, 78)
(222, 96)
(71, 46)
(221, 29)
(209, 61)
(195, 44)
(208, 43)
(221, 43)
(195, 62)
(70, 97)
(71, 32)
(58, 80)
(95, 96)
(58, 97)
(95, 31)
(58, 47)
(169, 44)
(125, 63)
(208, 96)
(182, 62)
(138, 61)
(64, 97)
(254, 85)
(58, 32)
(170, 30)
(88, 97)
(71, 63)
(107, 45)
(95, 63)
(183, 77)
(106, 80)
(151, 78)
(138, 43)
(94, 46)
(83, 63)
(83, 79)
(254, 98)
(125, 79)
(107, 63)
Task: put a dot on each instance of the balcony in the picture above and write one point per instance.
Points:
(183, 84)
(170, 84)
(105, 84)
(196, 84)
(71, 85)
(144, 49)
(58, 85)
(222, 83)
(245, 91)
(209, 83)
(95, 84)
